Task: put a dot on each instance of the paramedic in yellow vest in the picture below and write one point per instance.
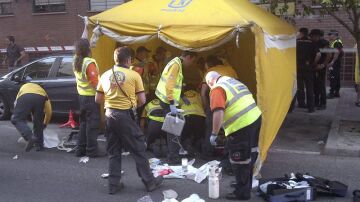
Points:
(212, 63)
(32, 99)
(86, 73)
(169, 91)
(121, 91)
(194, 129)
(153, 118)
(234, 109)
(335, 65)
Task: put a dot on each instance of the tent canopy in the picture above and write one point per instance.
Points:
(260, 46)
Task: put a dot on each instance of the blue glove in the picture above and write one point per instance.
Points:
(213, 138)
(173, 110)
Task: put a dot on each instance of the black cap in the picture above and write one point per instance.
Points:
(142, 49)
(315, 32)
(333, 32)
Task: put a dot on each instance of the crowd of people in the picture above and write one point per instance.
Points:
(137, 94)
(317, 59)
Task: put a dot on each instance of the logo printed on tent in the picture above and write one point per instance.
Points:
(179, 3)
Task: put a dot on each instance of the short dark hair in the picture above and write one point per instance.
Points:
(304, 31)
(11, 38)
(189, 53)
(213, 61)
(122, 54)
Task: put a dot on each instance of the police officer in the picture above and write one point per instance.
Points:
(307, 55)
(234, 108)
(32, 99)
(86, 73)
(169, 91)
(153, 117)
(121, 90)
(335, 64)
(194, 129)
(212, 63)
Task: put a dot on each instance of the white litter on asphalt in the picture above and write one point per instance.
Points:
(145, 199)
(106, 175)
(125, 153)
(84, 159)
(193, 198)
(15, 157)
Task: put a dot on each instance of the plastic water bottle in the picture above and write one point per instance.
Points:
(214, 183)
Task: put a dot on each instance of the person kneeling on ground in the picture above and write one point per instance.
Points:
(32, 99)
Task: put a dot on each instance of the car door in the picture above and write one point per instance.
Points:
(61, 87)
(35, 72)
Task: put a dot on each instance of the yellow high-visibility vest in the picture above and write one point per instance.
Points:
(82, 82)
(153, 107)
(195, 107)
(161, 87)
(335, 41)
(241, 109)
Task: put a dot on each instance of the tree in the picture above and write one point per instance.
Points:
(327, 7)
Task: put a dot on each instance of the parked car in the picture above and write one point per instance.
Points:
(53, 73)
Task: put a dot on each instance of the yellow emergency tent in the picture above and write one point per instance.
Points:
(258, 44)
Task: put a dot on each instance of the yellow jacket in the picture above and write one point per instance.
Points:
(37, 89)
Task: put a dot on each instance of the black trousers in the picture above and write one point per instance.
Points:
(122, 130)
(89, 124)
(305, 83)
(193, 133)
(243, 153)
(207, 148)
(320, 87)
(172, 140)
(154, 131)
(25, 105)
(334, 77)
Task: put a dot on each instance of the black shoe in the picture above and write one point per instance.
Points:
(234, 197)
(154, 184)
(30, 144)
(80, 153)
(115, 188)
(39, 148)
(96, 154)
(321, 107)
(330, 96)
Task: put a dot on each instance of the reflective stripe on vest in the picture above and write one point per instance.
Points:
(241, 109)
(161, 87)
(82, 83)
(333, 43)
(151, 107)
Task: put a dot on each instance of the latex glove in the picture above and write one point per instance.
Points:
(186, 101)
(173, 110)
(213, 138)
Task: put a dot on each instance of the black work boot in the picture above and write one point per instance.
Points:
(154, 184)
(30, 144)
(113, 189)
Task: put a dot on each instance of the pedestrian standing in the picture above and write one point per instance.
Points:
(169, 91)
(335, 65)
(86, 72)
(14, 54)
(306, 56)
(235, 110)
(32, 100)
(121, 91)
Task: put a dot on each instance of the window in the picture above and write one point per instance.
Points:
(6, 7)
(39, 69)
(101, 5)
(48, 6)
(66, 68)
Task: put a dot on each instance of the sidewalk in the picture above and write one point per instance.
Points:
(334, 131)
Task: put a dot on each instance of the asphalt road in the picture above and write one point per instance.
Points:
(57, 176)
